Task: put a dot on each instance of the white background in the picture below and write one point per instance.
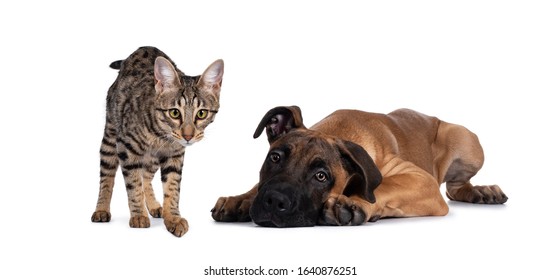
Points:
(492, 66)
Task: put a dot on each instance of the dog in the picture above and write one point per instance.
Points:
(354, 167)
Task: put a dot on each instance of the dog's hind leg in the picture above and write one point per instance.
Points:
(487, 194)
(458, 157)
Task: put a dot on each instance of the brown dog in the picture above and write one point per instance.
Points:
(353, 167)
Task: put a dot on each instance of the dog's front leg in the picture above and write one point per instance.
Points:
(347, 211)
(234, 208)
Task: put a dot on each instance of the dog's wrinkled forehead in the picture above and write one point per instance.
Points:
(308, 143)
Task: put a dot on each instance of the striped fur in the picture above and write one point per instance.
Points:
(153, 112)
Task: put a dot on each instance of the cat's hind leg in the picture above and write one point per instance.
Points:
(109, 162)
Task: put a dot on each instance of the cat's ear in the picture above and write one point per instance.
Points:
(279, 121)
(211, 79)
(165, 75)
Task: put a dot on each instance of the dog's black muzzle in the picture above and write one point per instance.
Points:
(280, 203)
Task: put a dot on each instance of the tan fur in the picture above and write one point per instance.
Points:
(415, 154)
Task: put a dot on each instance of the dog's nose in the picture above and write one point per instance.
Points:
(277, 202)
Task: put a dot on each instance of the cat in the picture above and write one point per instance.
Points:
(153, 112)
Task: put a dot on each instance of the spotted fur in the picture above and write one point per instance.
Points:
(153, 112)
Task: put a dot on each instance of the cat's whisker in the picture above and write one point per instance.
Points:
(138, 116)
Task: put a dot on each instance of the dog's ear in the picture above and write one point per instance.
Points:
(279, 121)
(364, 174)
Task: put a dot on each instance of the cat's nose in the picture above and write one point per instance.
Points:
(187, 132)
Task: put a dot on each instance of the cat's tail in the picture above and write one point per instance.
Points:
(116, 64)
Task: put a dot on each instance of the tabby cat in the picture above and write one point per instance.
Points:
(153, 112)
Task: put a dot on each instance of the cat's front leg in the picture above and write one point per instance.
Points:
(234, 208)
(132, 168)
(171, 170)
(150, 168)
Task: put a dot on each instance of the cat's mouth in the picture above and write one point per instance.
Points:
(186, 143)
(183, 141)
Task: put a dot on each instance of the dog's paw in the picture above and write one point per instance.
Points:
(478, 194)
(342, 211)
(177, 225)
(232, 209)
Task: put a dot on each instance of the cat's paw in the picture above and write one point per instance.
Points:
(101, 217)
(232, 209)
(157, 212)
(177, 226)
(139, 222)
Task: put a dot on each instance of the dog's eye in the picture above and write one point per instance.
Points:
(274, 157)
(321, 176)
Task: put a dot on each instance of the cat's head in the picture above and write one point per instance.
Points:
(186, 105)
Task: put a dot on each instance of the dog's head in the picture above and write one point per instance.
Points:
(303, 167)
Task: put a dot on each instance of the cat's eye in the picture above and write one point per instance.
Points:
(321, 176)
(174, 113)
(201, 114)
